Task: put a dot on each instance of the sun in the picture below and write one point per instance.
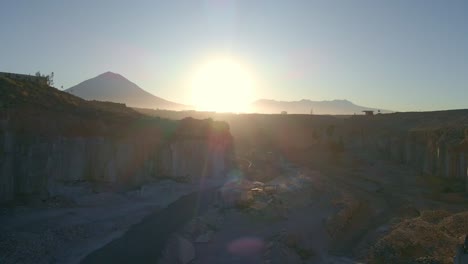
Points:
(222, 85)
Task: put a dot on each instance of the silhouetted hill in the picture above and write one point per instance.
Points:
(335, 107)
(49, 137)
(16, 94)
(114, 87)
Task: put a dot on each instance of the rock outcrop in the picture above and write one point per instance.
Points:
(34, 165)
(435, 143)
(49, 138)
(436, 150)
(439, 152)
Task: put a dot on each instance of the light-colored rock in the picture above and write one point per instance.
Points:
(258, 205)
(205, 238)
(234, 196)
(186, 251)
(43, 166)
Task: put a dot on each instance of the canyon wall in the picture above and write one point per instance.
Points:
(440, 152)
(437, 151)
(34, 165)
(50, 139)
(434, 143)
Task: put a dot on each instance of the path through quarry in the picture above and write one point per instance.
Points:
(325, 211)
(143, 242)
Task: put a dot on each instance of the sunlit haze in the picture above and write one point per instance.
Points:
(223, 85)
(398, 55)
(234, 131)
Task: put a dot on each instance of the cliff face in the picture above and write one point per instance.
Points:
(195, 159)
(442, 152)
(43, 147)
(435, 143)
(38, 166)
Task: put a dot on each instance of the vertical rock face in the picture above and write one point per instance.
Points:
(37, 166)
(196, 158)
(49, 138)
(6, 167)
(441, 152)
(432, 148)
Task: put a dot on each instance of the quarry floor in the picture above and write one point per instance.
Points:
(49, 233)
(329, 211)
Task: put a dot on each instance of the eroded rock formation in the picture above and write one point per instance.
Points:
(49, 138)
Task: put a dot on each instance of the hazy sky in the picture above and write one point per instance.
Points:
(399, 55)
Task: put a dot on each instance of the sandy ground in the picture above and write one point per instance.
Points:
(68, 234)
(291, 230)
(324, 212)
(329, 213)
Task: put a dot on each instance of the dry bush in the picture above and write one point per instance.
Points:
(434, 216)
(434, 235)
(456, 224)
(338, 222)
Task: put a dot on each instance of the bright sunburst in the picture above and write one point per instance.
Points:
(222, 85)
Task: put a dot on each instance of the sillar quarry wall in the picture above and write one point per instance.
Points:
(434, 149)
(35, 165)
(439, 152)
(434, 143)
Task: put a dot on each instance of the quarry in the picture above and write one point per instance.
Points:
(94, 182)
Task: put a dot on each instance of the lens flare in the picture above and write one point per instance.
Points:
(246, 246)
(222, 85)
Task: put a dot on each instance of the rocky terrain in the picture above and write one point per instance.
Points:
(80, 180)
(435, 143)
(75, 174)
(67, 229)
(385, 172)
(348, 208)
(51, 139)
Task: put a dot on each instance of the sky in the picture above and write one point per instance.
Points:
(402, 55)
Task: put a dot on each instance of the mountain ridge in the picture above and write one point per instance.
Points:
(114, 87)
(307, 106)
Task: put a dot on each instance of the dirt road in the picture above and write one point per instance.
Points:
(144, 242)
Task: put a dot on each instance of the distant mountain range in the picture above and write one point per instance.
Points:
(114, 87)
(335, 107)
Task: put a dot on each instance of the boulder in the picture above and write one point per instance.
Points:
(186, 251)
(205, 238)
